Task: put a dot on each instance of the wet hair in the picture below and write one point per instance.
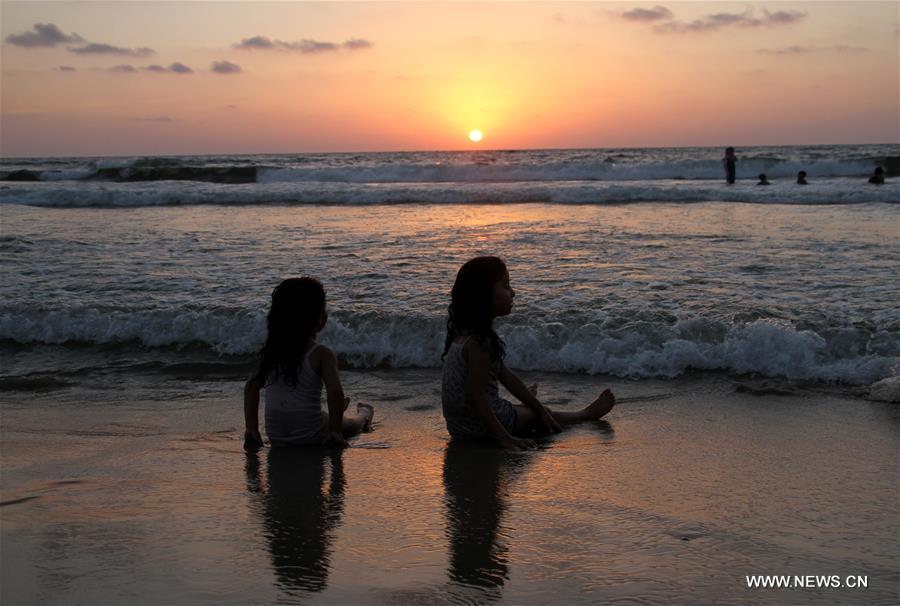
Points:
(729, 150)
(801, 174)
(297, 307)
(762, 177)
(471, 301)
(879, 170)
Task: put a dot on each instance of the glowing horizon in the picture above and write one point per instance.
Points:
(259, 77)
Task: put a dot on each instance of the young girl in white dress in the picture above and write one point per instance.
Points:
(473, 366)
(293, 368)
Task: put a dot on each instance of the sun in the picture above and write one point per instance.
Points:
(475, 136)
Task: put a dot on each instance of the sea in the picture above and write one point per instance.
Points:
(635, 263)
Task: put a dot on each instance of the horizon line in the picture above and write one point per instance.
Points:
(4, 157)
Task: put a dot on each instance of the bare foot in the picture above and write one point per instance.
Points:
(368, 413)
(602, 405)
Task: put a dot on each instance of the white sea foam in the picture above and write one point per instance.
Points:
(485, 167)
(886, 390)
(710, 169)
(367, 340)
(837, 175)
(175, 193)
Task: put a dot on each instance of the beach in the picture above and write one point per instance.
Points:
(742, 329)
(693, 206)
(142, 494)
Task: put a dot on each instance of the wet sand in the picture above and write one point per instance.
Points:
(140, 493)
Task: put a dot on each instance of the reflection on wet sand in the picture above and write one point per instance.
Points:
(299, 518)
(476, 480)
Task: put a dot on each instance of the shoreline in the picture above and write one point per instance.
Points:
(208, 367)
(687, 486)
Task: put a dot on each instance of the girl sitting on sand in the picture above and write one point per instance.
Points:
(473, 365)
(292, 369)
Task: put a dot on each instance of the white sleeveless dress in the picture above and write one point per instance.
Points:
(295, 415)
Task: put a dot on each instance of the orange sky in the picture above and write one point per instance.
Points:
(421, 75)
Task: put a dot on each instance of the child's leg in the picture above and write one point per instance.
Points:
(593, 411)
(356, 423)
(526, 419)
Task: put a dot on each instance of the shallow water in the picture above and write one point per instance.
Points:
(142, 494)
(644, 290)
(837, 175)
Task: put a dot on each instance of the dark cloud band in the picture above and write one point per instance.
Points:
(175, 68)
(808, 50)
(225, 67)
(657, 13)
(305, 46)
(719, 21)
(667, 24)
(108, 49)
(44, 35)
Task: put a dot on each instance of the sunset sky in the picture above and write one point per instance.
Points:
(106, 78)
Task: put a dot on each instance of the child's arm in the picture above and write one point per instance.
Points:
(335, 396)
(252, 437)
(517, 388)
(479, 361)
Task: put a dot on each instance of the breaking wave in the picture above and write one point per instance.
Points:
(663, 348)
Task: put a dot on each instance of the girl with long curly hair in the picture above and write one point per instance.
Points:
(293, 368)
(474, 365)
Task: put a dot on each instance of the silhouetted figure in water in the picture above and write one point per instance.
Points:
(474, 368)
(300, 520)
(801, 178)
(763, 180)
(877, 177)
(729, 162)
(475, 483)
(293, 369)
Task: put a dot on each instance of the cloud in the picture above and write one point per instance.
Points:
(657, 13)
(108, 49)
(305, 46)
(44, 35)
(311, 46)
(357, 44)
(175, 68)
(784, 17)
(807, 50)
(717, 21)
(66, 68)
(256, 42)
(225, 67)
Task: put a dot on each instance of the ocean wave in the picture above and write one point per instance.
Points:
(549, 166)
(644, 348)
(171, 193)
(605, 170)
